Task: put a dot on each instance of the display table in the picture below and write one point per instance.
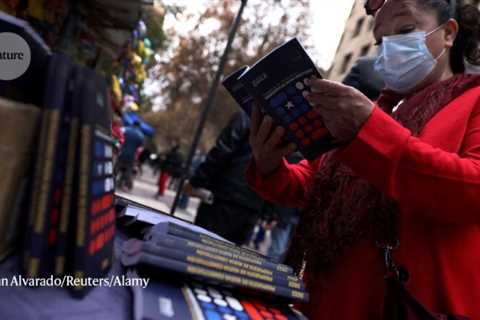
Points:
(102, 303)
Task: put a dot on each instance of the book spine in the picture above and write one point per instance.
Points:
(224, 277)
(82, 207)
(27, 263)
(204, 259)
(180, 230)
(38, 261)
(219, 255)
(67, 197)
(188, 234)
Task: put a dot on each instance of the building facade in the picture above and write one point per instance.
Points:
(357, 41)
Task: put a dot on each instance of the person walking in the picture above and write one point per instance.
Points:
(235, 207)
(171, 166)
(134, 138)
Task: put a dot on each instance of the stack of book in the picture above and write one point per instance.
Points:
(175, 247)
(71, 219)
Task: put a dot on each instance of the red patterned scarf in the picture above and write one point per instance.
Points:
(344, 208)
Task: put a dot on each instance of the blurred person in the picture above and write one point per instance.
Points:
(235, 207)
(134, 138)
(409, 174)
(198, 159)
(365, 78)
(170, 166)
(142, 159)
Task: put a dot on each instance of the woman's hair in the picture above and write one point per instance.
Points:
(467, 43)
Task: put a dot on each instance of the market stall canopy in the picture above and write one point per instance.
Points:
(118, 14)
(110, 22)
(130, 117)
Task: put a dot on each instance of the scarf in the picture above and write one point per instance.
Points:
(343, 208)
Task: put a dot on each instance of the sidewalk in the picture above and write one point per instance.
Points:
(144, 190)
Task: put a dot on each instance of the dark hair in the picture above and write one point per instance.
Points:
(467, 43)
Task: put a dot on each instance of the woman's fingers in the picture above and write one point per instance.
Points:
(319, 101)
(275, 139)
(263, 132)
(256, 119)
(328, 87)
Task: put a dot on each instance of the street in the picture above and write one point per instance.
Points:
(144, 190)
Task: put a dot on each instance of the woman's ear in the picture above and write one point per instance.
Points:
(451, 32)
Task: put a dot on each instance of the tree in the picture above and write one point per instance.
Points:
(185, 72)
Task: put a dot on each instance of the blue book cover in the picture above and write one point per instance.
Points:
(91, 223)
(278, 83)
(170, 299)
(152, 264)
(210, 260)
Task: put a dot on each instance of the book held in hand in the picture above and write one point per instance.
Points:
(278, 82)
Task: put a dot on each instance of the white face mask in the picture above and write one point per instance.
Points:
(405, 61)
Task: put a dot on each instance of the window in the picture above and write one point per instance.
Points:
(365, 50)
(358, 27)
(346, 62)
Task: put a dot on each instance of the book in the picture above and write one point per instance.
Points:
(163, 300)
(161, 229)
(154, 263)
(170, 299)
(20, 123)
(277, 82)
(264, 267)
(92, 216)
(70, 134)
(152, 216)
(212, 261)
(193, 232)
(238, 90)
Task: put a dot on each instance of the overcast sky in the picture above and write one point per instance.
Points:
(329, 22)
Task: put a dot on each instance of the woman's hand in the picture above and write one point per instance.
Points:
(344, 109)
(266, 140)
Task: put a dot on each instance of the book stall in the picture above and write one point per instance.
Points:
(69, 247)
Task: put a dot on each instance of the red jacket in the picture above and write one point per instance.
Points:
(436, 180)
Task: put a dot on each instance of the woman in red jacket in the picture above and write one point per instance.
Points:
(410, 171)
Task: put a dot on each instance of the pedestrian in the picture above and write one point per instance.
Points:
(408, 175)
(134, 138)
(365, 78)
(235, 207)
(171, 166)
(198, 159)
